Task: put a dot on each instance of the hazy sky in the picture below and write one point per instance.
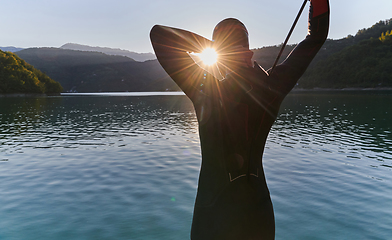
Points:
(126, 24)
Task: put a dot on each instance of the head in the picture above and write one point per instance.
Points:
(231, 41)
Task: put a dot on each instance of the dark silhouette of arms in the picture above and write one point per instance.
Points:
(172, 47)
(292, 68)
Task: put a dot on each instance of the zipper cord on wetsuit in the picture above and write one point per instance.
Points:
(249, 163)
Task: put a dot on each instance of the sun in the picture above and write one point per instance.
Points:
(208, 56)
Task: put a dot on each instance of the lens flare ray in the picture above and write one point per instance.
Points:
(208, 56)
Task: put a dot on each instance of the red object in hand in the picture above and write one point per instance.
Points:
(319, 7)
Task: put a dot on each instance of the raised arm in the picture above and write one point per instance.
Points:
(172, 47)
(288, 72)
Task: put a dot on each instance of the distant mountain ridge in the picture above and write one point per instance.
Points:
(86, 71)
(140, 57)
(10, 49)
(360, 61)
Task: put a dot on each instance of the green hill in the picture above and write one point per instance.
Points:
(364, 65)
(360, 61)
(16, 76)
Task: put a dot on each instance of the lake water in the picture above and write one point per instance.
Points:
(120, 166)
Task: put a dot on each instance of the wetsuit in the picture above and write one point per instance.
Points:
(235, 116)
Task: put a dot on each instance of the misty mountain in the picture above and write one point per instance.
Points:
(80, 71)
(10, 49)
(141, 57)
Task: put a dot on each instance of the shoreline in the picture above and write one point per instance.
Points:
(339, 89)
(295, 90)
(2, 95)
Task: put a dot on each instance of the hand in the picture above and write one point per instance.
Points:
(319, 7)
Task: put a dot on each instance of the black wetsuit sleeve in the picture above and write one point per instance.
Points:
(287, 73)
(172, 47)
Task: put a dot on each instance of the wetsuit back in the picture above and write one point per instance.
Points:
(235, 116)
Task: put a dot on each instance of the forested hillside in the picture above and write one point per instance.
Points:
(16, 76)
(365, 61)
(81, 71)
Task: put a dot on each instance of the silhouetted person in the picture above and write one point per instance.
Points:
(235, 116)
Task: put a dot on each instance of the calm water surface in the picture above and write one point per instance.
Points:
(126, 167)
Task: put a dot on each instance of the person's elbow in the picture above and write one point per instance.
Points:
(156, 32)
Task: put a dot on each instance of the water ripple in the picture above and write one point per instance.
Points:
(126, 167)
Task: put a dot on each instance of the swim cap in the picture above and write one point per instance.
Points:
(230, 32)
